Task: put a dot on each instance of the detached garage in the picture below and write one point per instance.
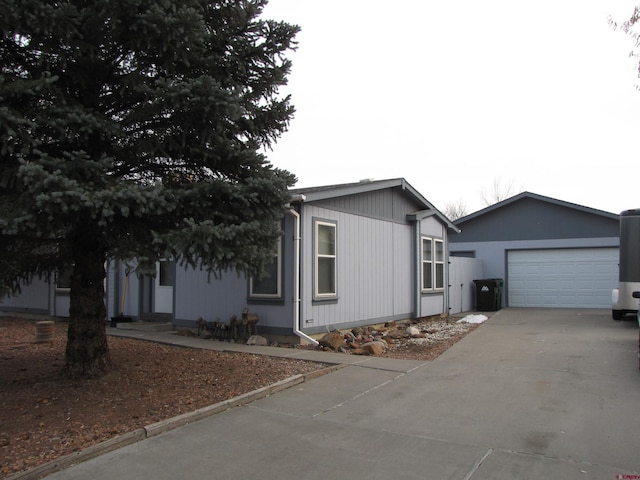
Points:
(550, 253)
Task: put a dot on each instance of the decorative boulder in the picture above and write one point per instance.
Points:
(332, 340)
(257, 340)
(373, 348)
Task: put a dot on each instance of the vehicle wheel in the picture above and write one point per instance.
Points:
(616, 314)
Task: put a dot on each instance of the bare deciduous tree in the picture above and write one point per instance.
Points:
(631, 28)
(455, 209)
(500, 190)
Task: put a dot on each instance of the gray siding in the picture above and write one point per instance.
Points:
(277, 316)
(39, 297)
(131, 296)
(112, 293)
(531, 222)
(199, 295)
(213, 299)
(388, 204)
(115, 289)
(374, 271)
(531, 219)
(34, 298)
(377, 265)
(437, 302)
(62, 302)
(404, 262)
(196, 296)
(494, 254)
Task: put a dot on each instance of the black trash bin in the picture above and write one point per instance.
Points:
(489, 294)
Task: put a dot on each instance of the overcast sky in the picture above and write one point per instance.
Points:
(452, 95)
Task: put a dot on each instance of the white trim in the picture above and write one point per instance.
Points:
(424, 262)
(331, 256)
(433, 263)
(437, 262)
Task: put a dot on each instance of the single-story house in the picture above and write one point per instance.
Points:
(549, 253)
(350, 255)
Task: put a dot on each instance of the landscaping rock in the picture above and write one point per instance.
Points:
(332, 340)
(394, 334)
(185, 332)
(411, 331)
(424, 339)
(257, 340)
(373, 348)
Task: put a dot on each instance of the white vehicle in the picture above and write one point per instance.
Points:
(622, 301)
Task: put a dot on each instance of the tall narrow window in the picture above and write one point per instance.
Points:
(432, 264)
(325, 259)
(270, 284)
(439, 273)
(63, 277)
(167, 272)
(427, 264)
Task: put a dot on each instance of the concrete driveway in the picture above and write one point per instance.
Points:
(530, 394)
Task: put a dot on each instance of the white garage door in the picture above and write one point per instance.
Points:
(562, 278)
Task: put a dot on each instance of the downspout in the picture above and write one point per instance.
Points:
(296, 272)
(417, 265)
(446, 308)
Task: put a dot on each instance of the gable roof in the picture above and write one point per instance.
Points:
(528, 217)
(426, 208)
(534, 196)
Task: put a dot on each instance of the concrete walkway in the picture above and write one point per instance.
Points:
(172, 338)
(530, 394)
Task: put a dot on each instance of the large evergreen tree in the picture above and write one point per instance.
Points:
(134, 129)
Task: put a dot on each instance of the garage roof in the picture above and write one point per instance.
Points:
(529, 216)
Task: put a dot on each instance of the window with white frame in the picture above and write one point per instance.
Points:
(167, 273)
(427, 264)
(439, 264)
(269, 285)
(432, 264)
(325, 259)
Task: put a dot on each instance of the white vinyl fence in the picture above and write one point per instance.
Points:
(462, 272)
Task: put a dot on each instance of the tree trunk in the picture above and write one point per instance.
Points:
(87, 353)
